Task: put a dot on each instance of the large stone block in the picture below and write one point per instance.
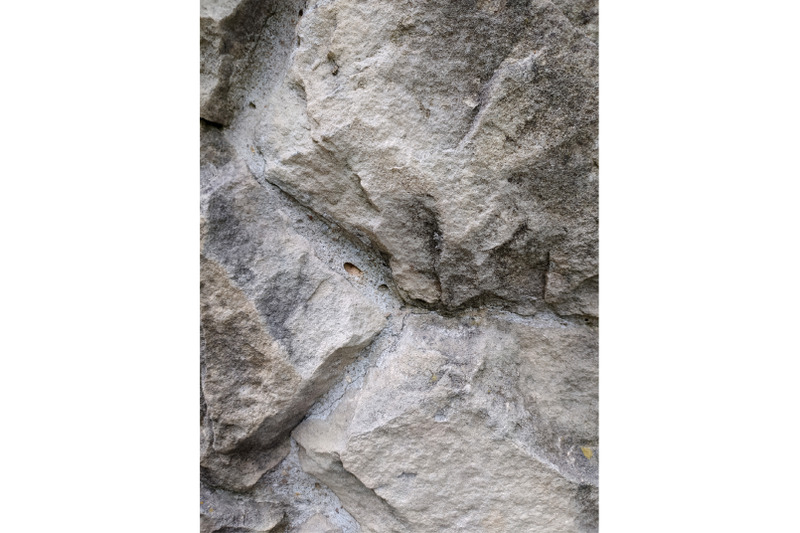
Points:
(278, 324)
(482, 423)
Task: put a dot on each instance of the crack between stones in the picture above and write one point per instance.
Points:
(365, 193)
(529, 450)
(211, 123)
(545, 278)
(355, 239)
(371, 249)
(391, 510)
(346, 387)
(474, 125)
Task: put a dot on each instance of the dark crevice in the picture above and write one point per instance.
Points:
(544, 276)
(426, 206)
(334, 65)
(364, 192)
(430, 221)
(211, 123)
(486, 299)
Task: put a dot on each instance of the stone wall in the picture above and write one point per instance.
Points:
(399, 266)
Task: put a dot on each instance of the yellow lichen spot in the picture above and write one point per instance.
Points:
(587, 452)
(434, 378)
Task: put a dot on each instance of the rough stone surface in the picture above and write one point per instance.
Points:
(479, 427)
(241, 44)
(278, 325)
(222, 511)
(399, 271)
(460, 141)
(318, 524)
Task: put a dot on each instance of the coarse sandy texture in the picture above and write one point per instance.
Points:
(399, 273)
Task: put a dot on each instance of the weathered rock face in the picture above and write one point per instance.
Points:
(471, 424)
(399, 272)
(278, 325)
(460, 140)
(242, 42)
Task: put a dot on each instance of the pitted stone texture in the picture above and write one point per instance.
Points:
(318, 524)
(583, 14)
(225, 512)
(278, 325)
(458, 140)
(459, 137)
(232, 32)
(470, 424)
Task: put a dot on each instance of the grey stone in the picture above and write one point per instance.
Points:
(399, 265)
(582, 13)
(240, 42)
(278, 325)
(476, 423)
(318, 524)
(225, 512)
(460, 139)
(286, 496)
